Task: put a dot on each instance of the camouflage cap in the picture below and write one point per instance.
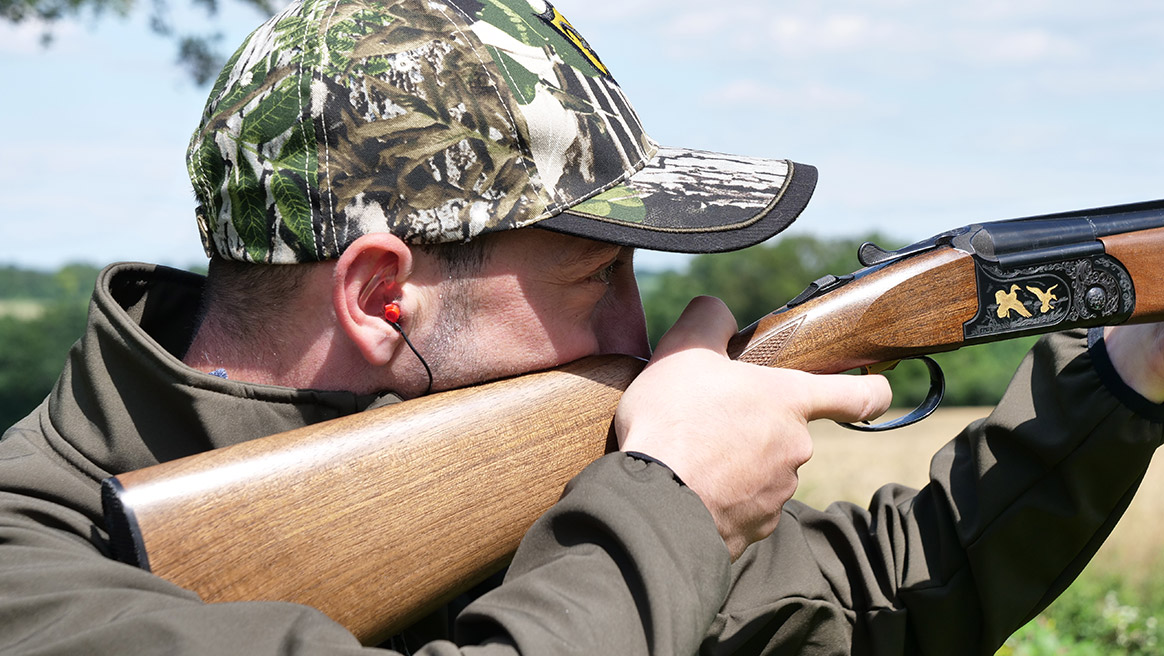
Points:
(441, 120)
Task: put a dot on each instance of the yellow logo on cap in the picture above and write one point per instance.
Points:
(559, 22)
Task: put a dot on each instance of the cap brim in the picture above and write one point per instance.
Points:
(692, 201)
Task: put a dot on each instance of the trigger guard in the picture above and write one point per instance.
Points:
(927, 407)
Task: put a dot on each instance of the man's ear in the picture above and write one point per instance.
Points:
(369, 274)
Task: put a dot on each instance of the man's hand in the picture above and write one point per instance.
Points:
(1137, 352)
(734, 432)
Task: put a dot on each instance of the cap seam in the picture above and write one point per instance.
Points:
(618, 144)
(199, 178)
(614, 140)
(600, 190)
(527, 153)
(326, 144)
(719, 228)
(557, 209)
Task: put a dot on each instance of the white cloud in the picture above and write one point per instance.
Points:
(799, 30)
(595, 12)
(1022, 46)
(700, 23)
(814, 95)
(28, 37)
(834, 33)
(992, 33)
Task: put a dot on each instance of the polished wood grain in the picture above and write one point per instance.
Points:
(916, 306)
(341, 516)
(1142, 254)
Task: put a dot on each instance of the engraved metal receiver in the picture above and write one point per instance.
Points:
(1034, 275)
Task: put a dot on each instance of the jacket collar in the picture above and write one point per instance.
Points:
(126, 399)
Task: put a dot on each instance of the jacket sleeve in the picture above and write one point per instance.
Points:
(1017, 504)
(60, 593)
(628, 562)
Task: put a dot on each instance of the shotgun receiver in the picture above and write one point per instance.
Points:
(379, 517)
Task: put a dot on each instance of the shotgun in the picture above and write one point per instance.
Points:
(378, 518)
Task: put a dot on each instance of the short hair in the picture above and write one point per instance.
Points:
(246, 295)
(461, 259)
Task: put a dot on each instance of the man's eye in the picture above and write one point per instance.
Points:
(605, 275)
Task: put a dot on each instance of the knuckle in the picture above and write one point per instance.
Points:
(809, 450)
(801, 449)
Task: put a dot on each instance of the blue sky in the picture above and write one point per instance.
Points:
(920, 115)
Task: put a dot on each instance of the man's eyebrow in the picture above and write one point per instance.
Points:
(593, 255)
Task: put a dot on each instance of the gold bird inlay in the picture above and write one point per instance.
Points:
(1008, 301)
(1045, 297)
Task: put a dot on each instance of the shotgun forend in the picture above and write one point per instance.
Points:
(979, 283)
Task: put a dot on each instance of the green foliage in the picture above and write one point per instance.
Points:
(200, 56)
(32, 352)
(16, 283)
(197, 53)
(975, 375)
(16, 11)
(752, 282)
(756, 281)
(1096, 616)
(73, 282)
(33, 345)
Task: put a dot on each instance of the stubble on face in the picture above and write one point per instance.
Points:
(444, 351)
(539, 299)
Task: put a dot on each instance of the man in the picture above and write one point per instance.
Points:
(347, 151)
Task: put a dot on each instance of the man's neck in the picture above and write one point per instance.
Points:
(305, 357)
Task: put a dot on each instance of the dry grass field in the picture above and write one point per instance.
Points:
(849, 466)
(23, 310)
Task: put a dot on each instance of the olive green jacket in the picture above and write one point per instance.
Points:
(628, 562)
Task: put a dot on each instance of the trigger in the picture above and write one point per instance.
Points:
(879, 367)
(927, 407)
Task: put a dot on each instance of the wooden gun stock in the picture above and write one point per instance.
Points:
(377, 518)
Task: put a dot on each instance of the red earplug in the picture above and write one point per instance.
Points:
(392, 312)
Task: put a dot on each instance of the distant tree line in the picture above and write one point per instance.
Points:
(43, 313)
